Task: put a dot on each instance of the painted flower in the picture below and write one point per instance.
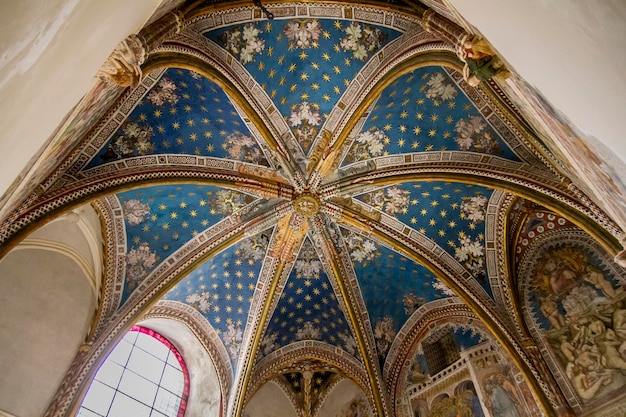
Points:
(243, 148)
(361, 249)
(464, 142)
(135, 140)
(139, 262)
(471, 254)
(268, 344)
(486, 143)
(374, 140)
(398, 200)
(303, 35)
(384, 334)
(308, 332)
(438, 285)
(308, 268)
(254, 248)
(470, 136)
(438, 87)
(232, 337)
(135, 212)
(412, 302)
(164, 92)
(227, 202)
(391, 200)
(306, 118)
(367, 145)
(231, 40)
(349, 343)
(362, 40)
(474, 208)
(201, 302)
(243, 43)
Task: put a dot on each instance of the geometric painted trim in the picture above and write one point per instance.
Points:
(351, 302)
(368, 14)
(82, 191)
(112, 216)
(282, 245)
(350, 282)
(496, 227)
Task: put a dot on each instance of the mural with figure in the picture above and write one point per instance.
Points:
(481, 383)
(580, 305)
(502, 398)
(463, 404)
(357, 407)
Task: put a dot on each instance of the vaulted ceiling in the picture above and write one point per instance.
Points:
(315, 185)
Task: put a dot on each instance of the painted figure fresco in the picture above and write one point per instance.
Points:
(357, 407)
(502, 398)
(582, 313)
(464, 404)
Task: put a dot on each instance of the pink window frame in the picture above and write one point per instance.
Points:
(185, 396)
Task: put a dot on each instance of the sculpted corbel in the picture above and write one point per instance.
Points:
(123, 66)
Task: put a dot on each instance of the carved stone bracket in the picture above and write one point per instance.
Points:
(123, 66)
(443, 28)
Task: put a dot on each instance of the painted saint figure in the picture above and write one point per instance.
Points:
(501, 397)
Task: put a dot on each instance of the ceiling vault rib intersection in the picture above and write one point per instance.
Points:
(289, 235)
(320, 193)
(356, 313)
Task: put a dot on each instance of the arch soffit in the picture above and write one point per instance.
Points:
(207, 336)
(285, 357)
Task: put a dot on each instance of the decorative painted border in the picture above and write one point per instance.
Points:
(112, 216)
(495, 252)
(363, 325)
(370, 14)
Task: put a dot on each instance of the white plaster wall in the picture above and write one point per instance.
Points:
(79, 231)
(573, 51)
(204, 390)
(49, 53)
(337, 401)
(45, 311)
(270, 401)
